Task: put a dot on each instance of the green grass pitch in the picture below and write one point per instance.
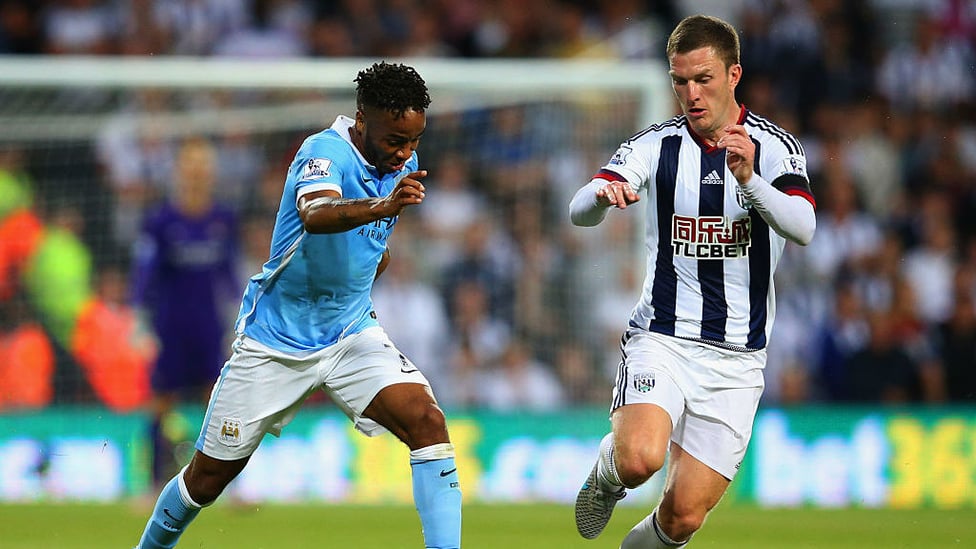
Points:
(501, 526)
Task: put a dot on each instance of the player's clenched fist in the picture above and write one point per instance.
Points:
(616, 194)
(408, 190)
(739, 151)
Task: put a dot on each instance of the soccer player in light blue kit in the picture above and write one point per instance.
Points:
(307, 321)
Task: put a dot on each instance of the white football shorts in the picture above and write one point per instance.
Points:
(710, 393)
(261, 389)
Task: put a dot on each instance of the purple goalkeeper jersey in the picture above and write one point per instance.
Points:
(184, 277)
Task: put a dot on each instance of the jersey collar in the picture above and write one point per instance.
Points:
(342, 126)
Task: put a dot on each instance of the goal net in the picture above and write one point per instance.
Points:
(487, 273)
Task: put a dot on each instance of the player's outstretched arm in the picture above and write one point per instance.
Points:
(591, 203)
(327, 212)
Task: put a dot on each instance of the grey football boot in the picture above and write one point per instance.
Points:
(595, 503)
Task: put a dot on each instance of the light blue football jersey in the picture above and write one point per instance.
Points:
(315, 288)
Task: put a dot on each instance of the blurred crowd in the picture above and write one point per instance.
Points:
(491, 291)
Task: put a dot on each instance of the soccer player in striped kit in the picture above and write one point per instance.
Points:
(725, 189)
(306, 321)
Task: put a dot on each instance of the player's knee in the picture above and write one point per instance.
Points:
(206, 483)
(637, 464)
(204, 489)
(428, 426)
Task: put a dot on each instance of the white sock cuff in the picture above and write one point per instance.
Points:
(184, 493)
(608, 467)
(444, 450)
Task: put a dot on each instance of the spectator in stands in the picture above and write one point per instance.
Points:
(184, 282)
(582, 379)
(266, 36)
(488, 259)
(136, 157)
(930, 266)
(846, 235)
(957, 348)
(194, 27)
(422, 36)
(881, 371)
(329, 36)
(450, 211)
(20, 28)
(423, 334)
(843, 333)
(142, 30)
(27, 358)
(872, 158)
(917, 338)
(931, 72)
(81, 27)
(518, 381)
(474, 323)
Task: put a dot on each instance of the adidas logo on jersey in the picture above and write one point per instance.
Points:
(713, 179)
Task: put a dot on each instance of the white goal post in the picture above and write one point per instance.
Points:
(454, 84)
(530, 76)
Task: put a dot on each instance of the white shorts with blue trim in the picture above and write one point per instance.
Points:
(261, 389)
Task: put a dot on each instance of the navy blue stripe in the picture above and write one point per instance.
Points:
(620, 383)
(620, 388)
(711, 272)
(758, 281)
(759, 265)
(664, 292)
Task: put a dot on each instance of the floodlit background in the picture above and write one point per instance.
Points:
(513, 313)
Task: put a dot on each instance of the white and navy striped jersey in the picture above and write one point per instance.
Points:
(710, 255)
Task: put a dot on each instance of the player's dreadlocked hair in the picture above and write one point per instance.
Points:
(392, 87)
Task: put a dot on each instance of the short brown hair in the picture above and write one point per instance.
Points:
(703, 31)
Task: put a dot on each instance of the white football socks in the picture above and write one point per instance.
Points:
(606, 469)
(647, 534)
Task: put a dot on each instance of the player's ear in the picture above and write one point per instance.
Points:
(735, 74)
(360, 121)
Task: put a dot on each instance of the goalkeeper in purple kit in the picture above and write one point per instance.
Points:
(183, 282)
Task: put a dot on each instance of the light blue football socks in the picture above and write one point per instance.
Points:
(173, 513)
(437, 495)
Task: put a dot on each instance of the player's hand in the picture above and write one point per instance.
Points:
(407, 192)
(616, 193)
(740, 152)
